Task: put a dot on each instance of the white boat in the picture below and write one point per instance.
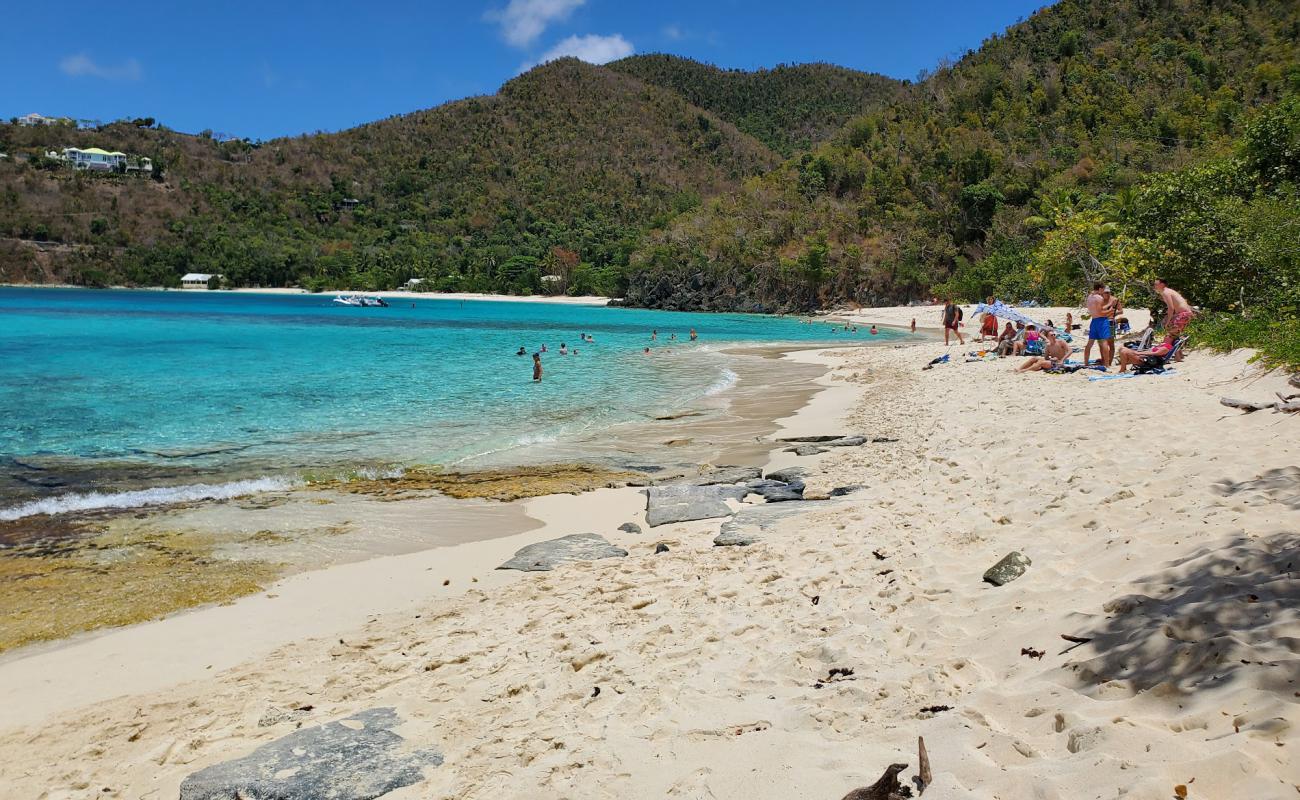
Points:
(361, 300)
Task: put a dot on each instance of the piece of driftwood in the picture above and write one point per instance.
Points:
(1246, 405)
(887, 788)
(924, 778)
(1295, 380)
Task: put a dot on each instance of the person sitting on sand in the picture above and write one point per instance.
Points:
(537, 367)
(1055, 352)
(1006, 341)
(1129, 356)
(1028, 343)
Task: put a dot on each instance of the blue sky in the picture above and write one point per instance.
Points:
(265, 69)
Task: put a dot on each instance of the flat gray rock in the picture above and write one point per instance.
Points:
(725, 475)
(841, 491)
(544, 556)
(847, 441)
(1012, 566)
(630, 527)
(749, 524)
(776, 491)
(358, 758)
(789, 475)
(806, 450)
(812, 439)
(684, 502)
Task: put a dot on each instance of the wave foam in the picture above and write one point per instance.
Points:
(724, 382)
(161, 496)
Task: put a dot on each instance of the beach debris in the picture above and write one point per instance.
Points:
(1012, 566)
(816, 599)
(1180, 791)
(841, 491)
(750, 523)
(1248, 406)
(1076, 639)
(886, 787)
(935, 709)
(630, 527)
(661, 548)
(548, 555)
(685, 502)
(595, 691)
(879, 555)
(923, 778)
(882, 440)
(356, 758)
(1032, 653)
(446, 582)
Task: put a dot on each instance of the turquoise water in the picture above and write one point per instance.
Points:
(117, 391)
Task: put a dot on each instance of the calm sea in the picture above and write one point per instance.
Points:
(123, 398)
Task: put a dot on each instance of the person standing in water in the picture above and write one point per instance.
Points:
(654, 335)
(913, 324)
(694, 335)
(537, 367)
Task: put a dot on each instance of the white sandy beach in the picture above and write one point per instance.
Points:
(1163, 529)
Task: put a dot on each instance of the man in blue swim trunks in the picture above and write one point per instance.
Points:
(1098, 325)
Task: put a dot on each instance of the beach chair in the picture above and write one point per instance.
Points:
(1154, 365)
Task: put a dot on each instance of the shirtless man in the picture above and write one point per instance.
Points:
(537, 366)
(1178, 312)
(1098, 325)
(1055, 352)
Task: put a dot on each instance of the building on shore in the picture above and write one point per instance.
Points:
(198, 280)
(95, 159)
(31, 120)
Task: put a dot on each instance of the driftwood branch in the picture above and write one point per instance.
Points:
(1288, 404)
(924, 779)
(887, 788)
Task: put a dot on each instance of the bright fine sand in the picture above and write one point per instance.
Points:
(1164, 534)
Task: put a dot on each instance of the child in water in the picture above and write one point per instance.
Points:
(537, 367)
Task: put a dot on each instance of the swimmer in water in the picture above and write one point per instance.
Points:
(873, 330)
(654, 335)
(564, 349)
(537, 367)
(521, 351)
(543, 348)
(647, 351)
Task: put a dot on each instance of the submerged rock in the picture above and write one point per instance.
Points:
(544, 556)
(358, 758)
(806, 450)
(1012, 566)
(685, 502)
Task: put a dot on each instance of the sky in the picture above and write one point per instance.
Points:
(285, 67)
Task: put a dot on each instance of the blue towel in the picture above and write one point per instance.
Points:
(1118, 375)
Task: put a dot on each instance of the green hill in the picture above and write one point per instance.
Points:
(561, 172)
(960, 183)
(789, 108)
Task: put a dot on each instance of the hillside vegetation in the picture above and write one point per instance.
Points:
(789, 108)
(954, 187)
(559, 173)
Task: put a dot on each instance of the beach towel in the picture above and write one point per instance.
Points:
(1119, 375)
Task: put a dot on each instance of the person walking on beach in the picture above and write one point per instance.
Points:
(1098, 325)
(537, 367)
(913, 324)
(952, 321)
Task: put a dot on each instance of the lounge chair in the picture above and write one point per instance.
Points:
(1155, 365)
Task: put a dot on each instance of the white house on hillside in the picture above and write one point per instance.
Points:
(40, 119)
(93, 158)
(197, 280)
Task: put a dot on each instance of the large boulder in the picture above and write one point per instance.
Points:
(358, 758)
(684, 502)
(776, 491)
(544, 556)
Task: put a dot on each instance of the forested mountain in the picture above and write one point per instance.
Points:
(789, 108)
(559, 173)
(956, 185)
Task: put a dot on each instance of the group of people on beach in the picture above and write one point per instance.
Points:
(1049, 347)
(586, 338)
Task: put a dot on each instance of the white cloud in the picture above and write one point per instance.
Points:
(522, 21)
(674, 33)
(590, 48)
(81, 65)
